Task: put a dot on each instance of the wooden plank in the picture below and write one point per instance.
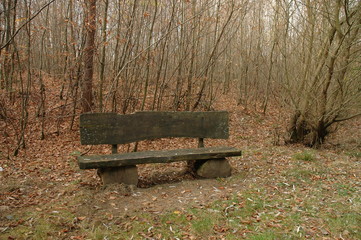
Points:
(112, 128)
(133, 158)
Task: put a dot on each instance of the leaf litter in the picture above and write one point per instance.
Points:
(269, 192)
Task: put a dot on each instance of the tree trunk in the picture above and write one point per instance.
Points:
(302, 131)
(102, 63)
(87, 84)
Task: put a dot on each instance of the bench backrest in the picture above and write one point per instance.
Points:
(113, 128)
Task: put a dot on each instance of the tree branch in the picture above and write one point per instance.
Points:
(348, 118)
(24, 24)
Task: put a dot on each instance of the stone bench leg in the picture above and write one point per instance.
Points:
(127, 175)
(213, 168)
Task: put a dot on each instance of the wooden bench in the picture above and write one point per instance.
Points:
(114, 129)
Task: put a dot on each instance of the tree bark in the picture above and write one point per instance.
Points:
(88, 57)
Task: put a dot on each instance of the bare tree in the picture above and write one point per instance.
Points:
(88, 57)
(180, 55)
(103, 56)
(326, 93)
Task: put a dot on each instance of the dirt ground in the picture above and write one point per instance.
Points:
(46, 173)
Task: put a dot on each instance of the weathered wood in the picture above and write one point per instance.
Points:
(133, 158)
(112, 128)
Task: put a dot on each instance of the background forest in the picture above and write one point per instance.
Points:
(123, 56)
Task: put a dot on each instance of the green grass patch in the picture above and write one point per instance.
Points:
(347, 224)
(354, 154)
(203, 225)
(269, 235)
(345, 189)
(301, 173)
(41, 225)
(307, 156)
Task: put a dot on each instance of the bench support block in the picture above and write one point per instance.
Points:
(126, 174)
(214, 168)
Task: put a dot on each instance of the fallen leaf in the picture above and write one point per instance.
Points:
(76, 237)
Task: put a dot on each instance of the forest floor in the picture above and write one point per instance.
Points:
(276, 191)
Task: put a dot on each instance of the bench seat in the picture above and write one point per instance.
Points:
(165, 156)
